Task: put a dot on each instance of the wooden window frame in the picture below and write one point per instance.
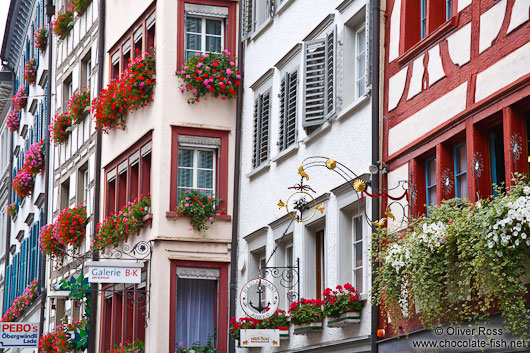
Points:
(229, 35)
(112, 168)
(457, 172)
(427, 185)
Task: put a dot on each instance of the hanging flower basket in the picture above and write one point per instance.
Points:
(20, 99)
(23, 183)
(48, 243)
(63, 24)
(34, 159)
(13, 120)
(59, 128)
(131, 91)
(210, 73)
(80, 6)
(69, 229)
(12, 209)
(118, 227)
(30, 72)
(79, 105)
(41, 38)
(21, 303)
(200, 208)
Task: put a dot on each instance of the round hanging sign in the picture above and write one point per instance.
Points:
(265, 299)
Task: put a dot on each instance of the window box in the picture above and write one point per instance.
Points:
(345, 319)
(284, 333)
(303, 329)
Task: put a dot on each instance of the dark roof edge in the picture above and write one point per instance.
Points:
(7, 31)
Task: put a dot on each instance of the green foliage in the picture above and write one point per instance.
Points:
(79, 289)
(200, 208)
(460, 263)
(306, 311)
(197, 348)
(279, 319)
(341, 300)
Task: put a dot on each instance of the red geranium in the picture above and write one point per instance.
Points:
(30, 71)
(306, 311)
(59, 128)
(48, 243)
(13, 120)
(20, 99)
(41, 38)
(23, 183)
(79, 105)
(80, 6)
(62, 25)
(70, 226)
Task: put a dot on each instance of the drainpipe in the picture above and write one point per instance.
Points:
(374, 44)
(92, 344)
(237, 176)
(50, 10)
(10, 193)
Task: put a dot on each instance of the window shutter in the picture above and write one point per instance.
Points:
(288, 101)
(330, 73)
(23, 263)
(14, 289)
(368, 39)
(7, 297)
(283, 110)
(248, 18)
(256, 134)
(264, 127)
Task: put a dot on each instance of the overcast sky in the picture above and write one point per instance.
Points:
(4, 8)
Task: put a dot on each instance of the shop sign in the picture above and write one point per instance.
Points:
(266, 299)
(260, 338)
(114, 272)
(19, 334)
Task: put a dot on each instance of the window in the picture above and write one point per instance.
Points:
(128, 176)
(196, 170)
(86, 71)
(203, 35)
(255, 14)
(65, 191)
(360, 62)
(262, 108)
(423, 19)
(357, 230)
(496, 151)
(132, 43)
(67, 91)
(430, 181)
(320, 270)
(448, 9)
(83, 184)
(460, 157)
(199, 160)
(319, 81)
(288, 104)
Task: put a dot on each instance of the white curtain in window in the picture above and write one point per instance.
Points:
(195, 311)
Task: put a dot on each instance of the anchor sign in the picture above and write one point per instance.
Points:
(264, 290)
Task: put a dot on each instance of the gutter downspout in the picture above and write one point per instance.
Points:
(237, 177)
(374, 43)
(92, 343)
(50, 10)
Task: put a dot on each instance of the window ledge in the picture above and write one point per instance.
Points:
(429, 40)
(324, 127)
(262, 168)
(175, 215)
(148, 218)
(284, 6)
(261, 29)
(287, 152)
(354, 106)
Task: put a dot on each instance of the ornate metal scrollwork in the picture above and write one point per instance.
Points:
(289, 278)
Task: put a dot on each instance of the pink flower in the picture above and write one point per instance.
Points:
(228, 71)
(218, 214)
(211, 219)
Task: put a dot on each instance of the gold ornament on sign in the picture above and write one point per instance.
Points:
(302, 173)
(321, 208)
(312, 200)
(331, 164)
(281, 204)
(359, 185)
(379, 223)
(389, 214)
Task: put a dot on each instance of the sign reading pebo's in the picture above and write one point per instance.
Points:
(259, 299)
(114, 272)
(19, 334)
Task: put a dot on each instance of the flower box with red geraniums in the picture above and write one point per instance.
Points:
(69, 228)
(59, 128)
(22, 302)
(13, 120)
(23, 183)
(243, 323)
(128, 347)
(12, 209)
(119, 226)
(80, 6)
(46, 343)
(63, 23)
(79, 105)
(50, 245)
(200, 208)
(342, 306)
(34, 158)
(306, 315)
(210, 73)
(131, 91)
(20, 99)
(41, 38)
(30, 72)
(278, 321)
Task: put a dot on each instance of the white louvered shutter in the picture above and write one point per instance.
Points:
(288, 101)
(248, 18)
(283, 109)
(255, 149)
(261, 129)
(319, 80)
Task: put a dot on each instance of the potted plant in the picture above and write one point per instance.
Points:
(63, 24)
(41, 38)
(49, 244)
(13, 120)
(80, 6)
(129, 347)
(20, 99)
(79, 105)
(200, 207)
(69, 228)
(210, 73)
(30, 71)
(342, 306)
(278, 321)
(12, 209)
(243, 323)
(23, 183)
(59, 128)
(34, 158)
(197, 348)
(306, 315)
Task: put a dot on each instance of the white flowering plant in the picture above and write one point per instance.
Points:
(460, 263)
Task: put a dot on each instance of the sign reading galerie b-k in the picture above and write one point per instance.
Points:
(114, 272)
(19, 334)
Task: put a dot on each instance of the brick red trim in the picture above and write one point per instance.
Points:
(514, 123)
(444, 160)
(222, 330)
(230, 37)
(221, 189)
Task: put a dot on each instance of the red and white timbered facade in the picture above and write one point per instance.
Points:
(456, 97)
